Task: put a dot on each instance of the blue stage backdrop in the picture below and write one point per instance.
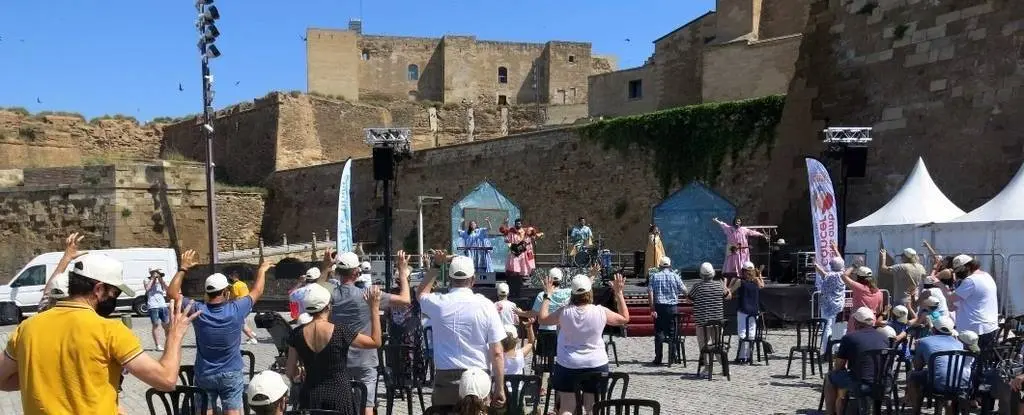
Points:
(688, 232)
(485, 201)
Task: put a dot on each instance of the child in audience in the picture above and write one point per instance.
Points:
(474, 393)
(515, 356)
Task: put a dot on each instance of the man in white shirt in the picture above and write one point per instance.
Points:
(470, 326)
(975, 300)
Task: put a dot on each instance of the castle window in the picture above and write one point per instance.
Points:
(636, 89)
(365, 55)
(502, 75)
(502, 100)
(414, 73)
(572, 59)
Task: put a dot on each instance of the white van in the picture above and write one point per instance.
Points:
(26, 289)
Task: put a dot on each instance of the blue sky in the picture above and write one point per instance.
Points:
(117, 56)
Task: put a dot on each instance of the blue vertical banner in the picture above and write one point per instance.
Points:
(823, 212)
(344, 230)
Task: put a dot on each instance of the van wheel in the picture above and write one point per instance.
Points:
(140, 306)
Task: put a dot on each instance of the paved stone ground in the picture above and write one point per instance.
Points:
(755, 389)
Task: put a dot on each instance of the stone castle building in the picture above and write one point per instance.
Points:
(450, 69)
(743, 49)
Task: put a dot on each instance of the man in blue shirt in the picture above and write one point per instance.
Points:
(581, 236)
(943, 339)
(849, 371)
(219, 369)
(663, 292)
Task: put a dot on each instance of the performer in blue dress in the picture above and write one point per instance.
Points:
(475, 243)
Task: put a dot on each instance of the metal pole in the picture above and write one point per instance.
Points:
(388, 260)
(211, 206)
(419, 230)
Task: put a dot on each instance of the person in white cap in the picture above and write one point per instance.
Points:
(267, 393)
(557, 299)
(68, 359)
(298, 292)
(515, 356)
(365, 275)
(581, 348)
(708, 295)
(508, 310)
(156, 300)
(349, 308)
(663, 292)
(931, 287)
(849, 370)
(470, 326)
(219, 370)
(323, 348)
(831, 295)
(747, 291)
(943, 339)
(901, 279)
(864, 292)
(474, 397)
(976, 300)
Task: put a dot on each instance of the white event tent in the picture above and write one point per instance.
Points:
(994, 234)
(901, 222)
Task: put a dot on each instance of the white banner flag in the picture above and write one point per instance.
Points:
(823, 212)
(344, 230)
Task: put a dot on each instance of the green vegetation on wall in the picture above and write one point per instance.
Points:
(691, 143)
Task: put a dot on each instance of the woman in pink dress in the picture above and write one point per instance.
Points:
(737, 251)
(520, 262)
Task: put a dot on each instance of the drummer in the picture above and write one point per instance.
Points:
(581, 237)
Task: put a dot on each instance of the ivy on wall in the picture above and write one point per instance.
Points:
(691, 143)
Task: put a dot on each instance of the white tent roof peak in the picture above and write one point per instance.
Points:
(919, 201)
(1005, 206)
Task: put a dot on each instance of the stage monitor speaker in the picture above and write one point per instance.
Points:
(856, 161)
(638, 263)
(383, 163)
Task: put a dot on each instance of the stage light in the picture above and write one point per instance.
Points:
(211, 52)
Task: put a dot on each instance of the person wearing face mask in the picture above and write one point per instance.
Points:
(69, 360)
(975, 300)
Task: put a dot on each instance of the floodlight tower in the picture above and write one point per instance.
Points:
(849, 145)
(208, 33)
(390, 145)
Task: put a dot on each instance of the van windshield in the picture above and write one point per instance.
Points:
(35, 275)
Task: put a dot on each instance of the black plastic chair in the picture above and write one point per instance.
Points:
(717, 346)
(517, 387)
(627, 407)
(543, 360)
(187, 375)
(440, 410)
(678, 343)
(314, 412)
(252, 363)
(609, 342)
(830, 350)
(607, 384)
(183, 400)
(358, 396)
(881, 388)
(401, 375)
(756, 344)
(956, 388)
(808, 341)
(428, 353)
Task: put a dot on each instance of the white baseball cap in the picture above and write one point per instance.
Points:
(555, 274)
(944, 324)
(365, 266)
(102, 268)
(266, 388)
(304, 319)
(581, 284)
(474, 382)
(969, 339)
(864, 272)
(503, 288)
(930, 301)
(216, 282)
(961, 260)
(748, 265)
(864, 315)
(901, 313)
(707, 269)
(462, 268)
(347, 260)
(888, 331)
(316, 299)
(780, 241)
(665, 262)
(512, 331)
(60, 286)
(909, 252)
(312, 274)
(366, 279)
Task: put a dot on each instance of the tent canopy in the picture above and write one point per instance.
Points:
(919, 201)
(1005, 206)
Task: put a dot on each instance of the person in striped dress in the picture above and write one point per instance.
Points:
(708, 296)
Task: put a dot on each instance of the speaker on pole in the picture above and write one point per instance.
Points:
(856, 159)
(638, 263)
(383, 163)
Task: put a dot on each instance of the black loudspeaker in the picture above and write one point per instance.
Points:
(856, 159)
(383, 163)
(638, 263)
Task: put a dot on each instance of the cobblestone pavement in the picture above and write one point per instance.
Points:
(754, 389)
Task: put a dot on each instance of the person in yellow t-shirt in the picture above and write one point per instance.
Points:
(238, 290)
(69, 359)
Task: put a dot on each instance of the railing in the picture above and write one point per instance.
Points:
(261, 251)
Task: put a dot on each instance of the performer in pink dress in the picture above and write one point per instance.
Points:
(520, 261)
(737, 250)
